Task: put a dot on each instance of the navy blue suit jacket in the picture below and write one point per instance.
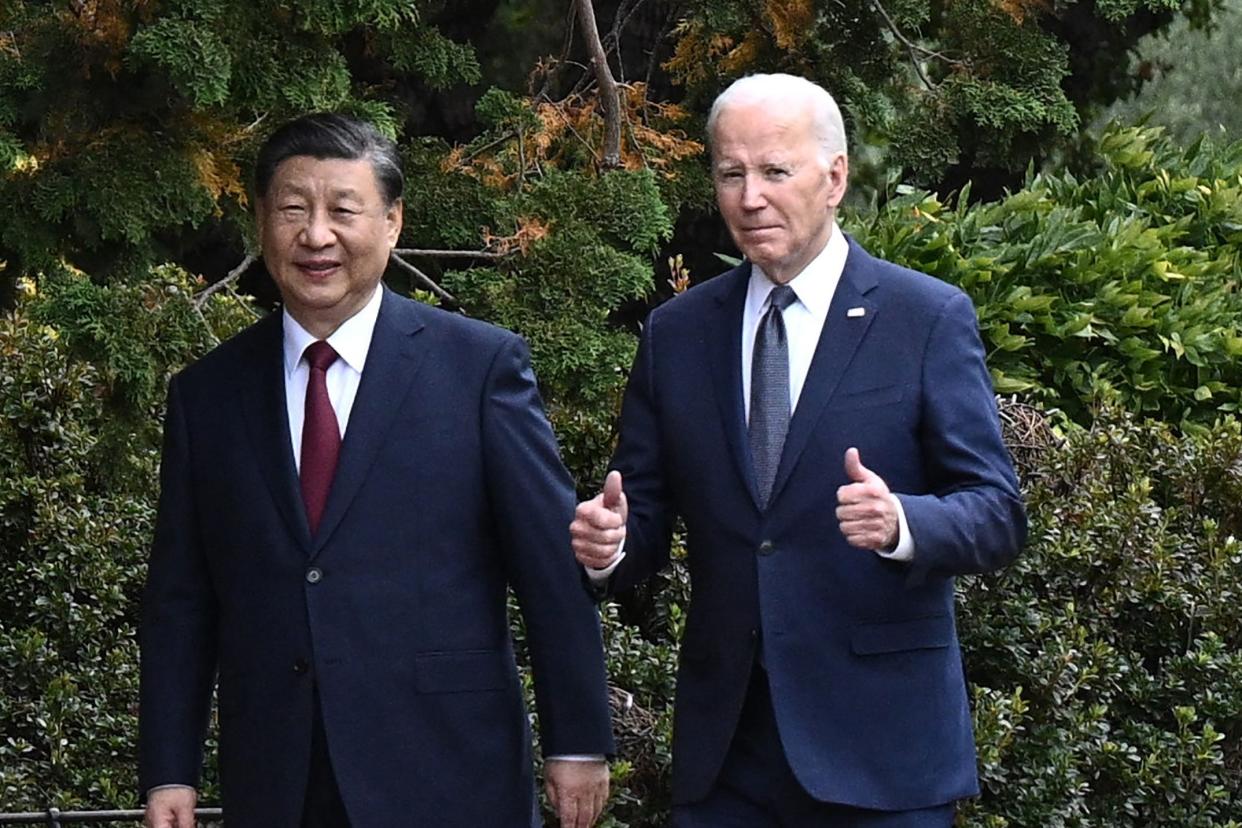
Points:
(449, 490)
(861, 652)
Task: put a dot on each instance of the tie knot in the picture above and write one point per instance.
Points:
(320, 355)
(782, 296)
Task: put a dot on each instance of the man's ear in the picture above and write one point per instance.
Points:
(394, 217)
(838, 178)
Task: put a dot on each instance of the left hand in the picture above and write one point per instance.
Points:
(865, 507)
(577, 790)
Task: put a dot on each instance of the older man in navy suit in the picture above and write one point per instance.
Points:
(348, 489)
(824, 423)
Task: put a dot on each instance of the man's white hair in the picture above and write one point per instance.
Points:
(780, 90)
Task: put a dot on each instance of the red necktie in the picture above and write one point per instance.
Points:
(321, 438)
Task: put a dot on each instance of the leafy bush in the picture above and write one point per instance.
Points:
(1106, 663)
(1128, 279)
(79, 449)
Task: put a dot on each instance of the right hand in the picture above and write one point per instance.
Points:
(599, 525)
(171, 808)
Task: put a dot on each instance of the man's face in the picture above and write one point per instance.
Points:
(777, 194)
(326, 234)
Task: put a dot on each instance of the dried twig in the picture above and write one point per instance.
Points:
(449, 254)
(201, 299)
(607, 84)
(425, 280)
(917, 52)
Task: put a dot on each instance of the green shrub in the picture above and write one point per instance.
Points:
(79, 448)
(1106, 663)
(1128, 279)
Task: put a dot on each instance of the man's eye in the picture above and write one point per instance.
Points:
(776, 172)
(292, 209)
(343, 211)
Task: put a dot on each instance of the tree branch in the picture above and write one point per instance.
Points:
(607, 84)
(916, 51)
(449, 254)
(425, 280)
(201, 299)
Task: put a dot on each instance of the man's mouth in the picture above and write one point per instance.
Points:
(318, 267)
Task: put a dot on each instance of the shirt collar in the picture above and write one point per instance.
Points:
(814, 286)
(351, 340)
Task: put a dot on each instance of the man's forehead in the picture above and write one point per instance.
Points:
(335, 176)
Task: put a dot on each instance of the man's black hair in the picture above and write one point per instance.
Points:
(329, 135)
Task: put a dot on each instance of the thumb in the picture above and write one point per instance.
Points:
(854, 469)
(612, 491)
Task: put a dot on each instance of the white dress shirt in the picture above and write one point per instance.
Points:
(351, 341)
(804, 323)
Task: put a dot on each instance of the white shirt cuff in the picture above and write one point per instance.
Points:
(904, 551)
(577, 757)
(169, 787)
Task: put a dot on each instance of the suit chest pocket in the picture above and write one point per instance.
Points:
(885, 395)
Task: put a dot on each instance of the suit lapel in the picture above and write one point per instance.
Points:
(392, 362)
(262, 390)
(724, 349)
(838, 342)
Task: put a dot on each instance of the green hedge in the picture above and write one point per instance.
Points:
(1126, 279)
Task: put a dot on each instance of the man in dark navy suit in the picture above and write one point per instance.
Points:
(348, 489)
(824, 423)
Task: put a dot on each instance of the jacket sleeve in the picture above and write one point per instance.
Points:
(640, 459)
(972, 518)
(177, 632)
(533, 499)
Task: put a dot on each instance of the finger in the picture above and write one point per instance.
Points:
(568, 812)
(592, 514)
(588, 534)
(598, 803)
(553, 795)
(591, 552)
(855, 493)
(612, 491)
(854, 469)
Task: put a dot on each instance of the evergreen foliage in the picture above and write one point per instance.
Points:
(80, 397)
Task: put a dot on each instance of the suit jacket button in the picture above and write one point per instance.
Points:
(767, 548)
(300, 666)
(314, 575)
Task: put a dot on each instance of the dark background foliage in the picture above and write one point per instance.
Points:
(1105, 665)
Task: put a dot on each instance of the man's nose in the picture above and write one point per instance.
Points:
(317, 232)
(753, 195)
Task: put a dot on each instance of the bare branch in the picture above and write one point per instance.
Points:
(425, 280)
(917, 52)
(449, 254)
(201, 299)
(211, 335)
(607, 84)
(477, 151)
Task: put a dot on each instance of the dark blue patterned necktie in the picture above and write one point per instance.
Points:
(769, 391)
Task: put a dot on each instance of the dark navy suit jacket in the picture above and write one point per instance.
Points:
(449, 490)
(861, 652)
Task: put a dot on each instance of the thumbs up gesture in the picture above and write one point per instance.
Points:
(599, 525)
(865, 507)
